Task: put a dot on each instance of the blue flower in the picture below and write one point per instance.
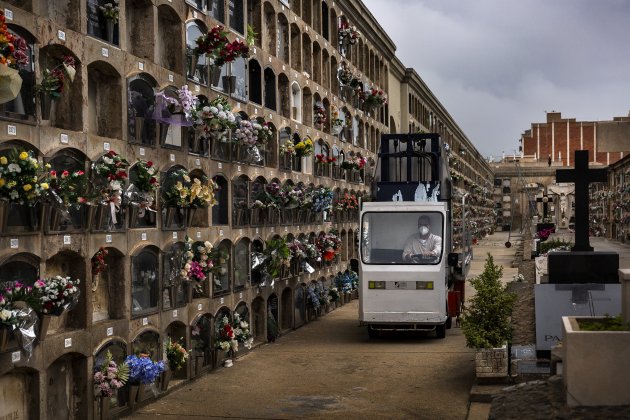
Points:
(143, 370)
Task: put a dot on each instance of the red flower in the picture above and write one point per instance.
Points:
(79, 173)
(329, 255)
(149, 164)
(53, 174)
(121, 174)
(112, 153)
(152, 181)
(65, 174)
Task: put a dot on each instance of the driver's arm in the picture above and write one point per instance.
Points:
(407, 250)
(437, 247)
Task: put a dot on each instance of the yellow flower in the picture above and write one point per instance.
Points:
(44, 185)
(27, 187)
(23, 156)
(3, 160)
(309, 142)
(1, 182)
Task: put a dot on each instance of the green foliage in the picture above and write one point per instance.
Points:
(555, 243)
(277, 255)
(486, 321)
(609, 323)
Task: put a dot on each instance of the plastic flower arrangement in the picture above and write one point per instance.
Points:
(292, 196)
(110, 376)
(319, 117)
(322, 199)
(213, 116)
(336, 123)
(372, 98)
(19, 292)
(146, 180)
(98, 261)
(21, 178)
(8, 316)
(296, 249)
(312, 252)
(334, 294)
(304, 147)
(322, 158)
(176, 354)
(12, 47)
(68, 189)
(277, 255)
(329, 245)
(198, 262)
(288, 148)
(241, 331)
(112, 168)
(344, 74)
(351, 33)
(110, 11)
(57, 294)
(347, 202)
(225, 337)
(219, 49)
(143, 370)
(202, 192)
(356, 162)
(54, 80)
(176, 192)
(312, 296)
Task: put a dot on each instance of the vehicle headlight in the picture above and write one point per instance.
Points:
(424, 285)
(376, 285)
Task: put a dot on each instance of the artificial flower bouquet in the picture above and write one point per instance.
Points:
(145, 180)
(68, 189)
(322, 198)
(328, 244)
(21, 178)
(288, 148)
(324, 159)
(372, 98)
(202, 192)
(143, 370)
(312, 296)
(219, 49)
(349, 32)
(98, 261)
(56, 294)
(176, 354)
(110, 11)
(110, 376)
(347, 202)
(54, 80)
(241, 331)
(214, 116)
(8, 315)
(319, 115)
(304, 147)
(111, 168)
(277, 255)
(345, 74)
(225, 337)
(12, 47)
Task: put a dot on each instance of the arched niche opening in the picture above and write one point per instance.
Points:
(220, 210)
(145, 281)
(104, 100)
(285, 159)
(255, 82)
(256, 274)
(307, 15)
(283, 38)
(174, 289)
(243, 314)
(169, 38)
(98, 25)
(173, 215)
(69, 264)
(255, 19)
(325, 21)
(270, 34)
(317, 63)
(196, 66)
(273, 326)
(296, 102)
(296, 48)
(307, 55)
(221, 279)
(242, 264)
(141, 128)
(216, 9)
(286, 320)
(63, 109)
(176, 331)
(108, 285)
(201, 342)
(325, 69)
(141, 13)
(142, 208)
(220, 317)
(299, 305)
(240, 201)
(197, 215)
(271, 148)
(307, 107)
(284, 95)
(66, 388)
(118, 351)
(258, 320)
(270, 88)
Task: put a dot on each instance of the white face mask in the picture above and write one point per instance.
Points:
(423, 230)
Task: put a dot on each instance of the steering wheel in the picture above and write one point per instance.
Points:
(420, 258)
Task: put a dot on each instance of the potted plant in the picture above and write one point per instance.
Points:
(277, 258)
(108, 379)
(176, 355)
(486, 322)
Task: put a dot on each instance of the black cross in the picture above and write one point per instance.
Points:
(581, 176)
(545, 200)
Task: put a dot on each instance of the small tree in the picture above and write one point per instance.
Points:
(486, 322)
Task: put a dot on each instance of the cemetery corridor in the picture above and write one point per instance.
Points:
(329, 368)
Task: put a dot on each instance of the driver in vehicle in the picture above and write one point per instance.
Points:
(422, 244)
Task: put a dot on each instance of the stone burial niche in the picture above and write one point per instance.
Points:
(108, 286)
(68, 263)
(201, 356)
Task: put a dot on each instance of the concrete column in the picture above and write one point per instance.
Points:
(553, 141)
(624, 279)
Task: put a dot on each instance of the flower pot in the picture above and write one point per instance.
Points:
(44, 323)
(336, 129)
(189, 288)
(229, 84)
(192, 68)
(103, 407)
(139, 126)
(165, 379)
(19, 218)
(491, 364)
(190, 216)
(228, 363)
(173, 218)
(109, 28)
(255, 216)
(215, 75)
(199, 359)
(10, 83)
(47, 106)
(135, 395)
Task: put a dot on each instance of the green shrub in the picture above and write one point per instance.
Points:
(486, 321)
(609, 323)
(556, 243)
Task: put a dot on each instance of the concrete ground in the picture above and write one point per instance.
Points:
(330, 369)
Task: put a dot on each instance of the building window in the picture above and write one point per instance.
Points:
(236, 15)
(217, 10)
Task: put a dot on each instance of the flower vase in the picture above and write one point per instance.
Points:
(4, 339)
(134, 391)
(215, 75)
(229, 84)
(109, 27)
(103, 407)
(254, 215)
(163, 132)
(199, 359)
(189, 288)
(190, 216)
(192, 68)
(165, 379)
(47, 105)
(44, 323)
(139, 126)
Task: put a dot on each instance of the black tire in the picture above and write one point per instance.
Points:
(449, 323)
(440, 331)
(372, 333)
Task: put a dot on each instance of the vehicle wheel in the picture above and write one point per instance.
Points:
(449, 323)
(372, 333)
(440, 331)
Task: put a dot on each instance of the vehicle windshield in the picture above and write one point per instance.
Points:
(402, 237)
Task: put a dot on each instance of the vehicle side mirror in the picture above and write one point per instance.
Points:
(453, 259)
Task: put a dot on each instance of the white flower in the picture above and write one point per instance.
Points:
(244, 325)
(220, 107)
(5, 315)
(107, 160)
(222, 115)
(14, 195)
(14, 167)
(248, 343)
(207, 244)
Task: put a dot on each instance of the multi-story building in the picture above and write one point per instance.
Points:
(125, 67)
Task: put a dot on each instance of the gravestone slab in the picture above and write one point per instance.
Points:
(580, 267)
(553, 301)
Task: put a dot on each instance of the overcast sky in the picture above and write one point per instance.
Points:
(498, 65)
